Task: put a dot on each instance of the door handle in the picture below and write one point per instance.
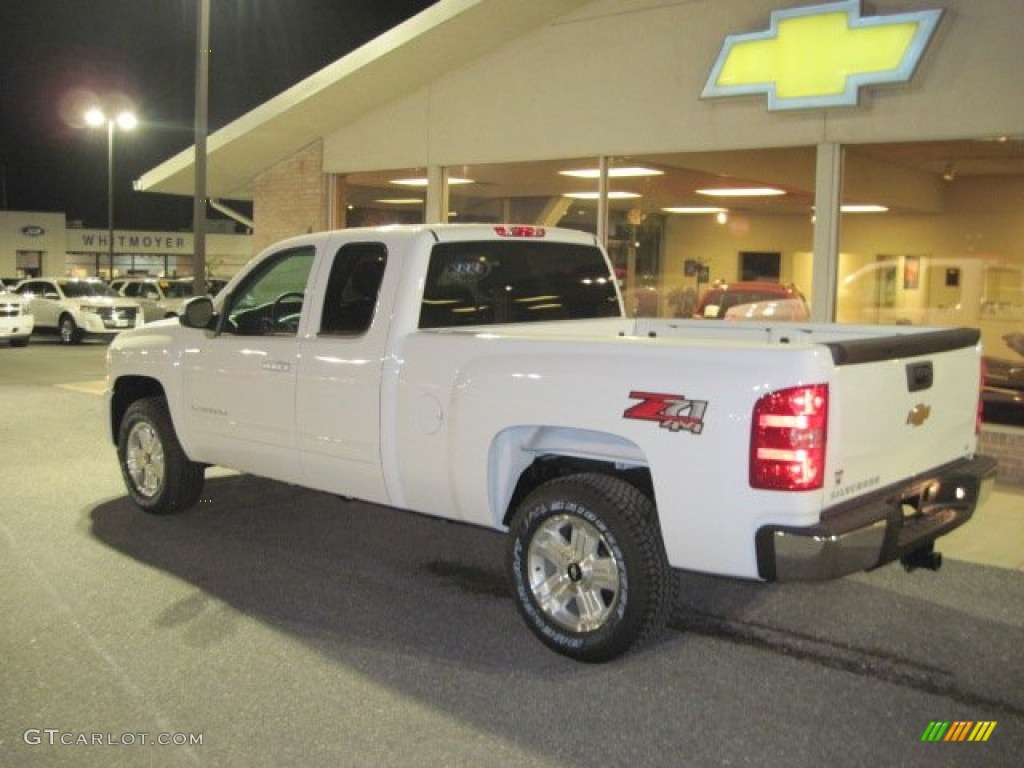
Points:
(277, 366)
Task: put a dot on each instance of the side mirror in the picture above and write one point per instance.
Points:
(198, 313)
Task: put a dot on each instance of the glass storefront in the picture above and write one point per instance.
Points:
(379, 198)
(673, 224)
(930, 233)
(947, 250)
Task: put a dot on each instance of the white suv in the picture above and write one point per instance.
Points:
(77, 307)
(15, 322)
(159, 297)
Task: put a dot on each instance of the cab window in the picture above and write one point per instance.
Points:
(269, 301)
(488, 282)
(352, 289)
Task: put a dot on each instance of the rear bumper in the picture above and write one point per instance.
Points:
(876, 529)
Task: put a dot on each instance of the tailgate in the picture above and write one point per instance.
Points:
(901, 405)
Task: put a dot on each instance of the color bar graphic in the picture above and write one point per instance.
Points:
(958, 730)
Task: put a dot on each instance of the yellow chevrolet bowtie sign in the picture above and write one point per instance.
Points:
(821, 55)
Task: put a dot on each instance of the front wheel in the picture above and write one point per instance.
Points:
(588, 566)
(70, 333)
(159, 476)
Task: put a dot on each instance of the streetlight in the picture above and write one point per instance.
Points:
(126, 121)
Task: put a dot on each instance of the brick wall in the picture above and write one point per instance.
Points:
(290, 198)
(1006, 444)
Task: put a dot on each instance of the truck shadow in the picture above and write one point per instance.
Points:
(344, 574)
(366, 585)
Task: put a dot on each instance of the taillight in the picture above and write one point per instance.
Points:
(503, 230)
(787, 439)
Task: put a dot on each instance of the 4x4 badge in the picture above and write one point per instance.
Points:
(672, 412)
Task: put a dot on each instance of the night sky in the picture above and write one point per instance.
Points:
(57, 55)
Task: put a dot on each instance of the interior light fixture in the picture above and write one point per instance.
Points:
(853, 208)
(742, 192)
(400, 200)
(694, 209)
(613, 173)
(422, 182)
(613, 195)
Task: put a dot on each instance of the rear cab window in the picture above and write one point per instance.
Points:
(518, 281)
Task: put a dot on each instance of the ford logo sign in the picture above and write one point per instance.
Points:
(32, 230)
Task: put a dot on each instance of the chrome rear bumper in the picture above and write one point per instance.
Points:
(876, 529)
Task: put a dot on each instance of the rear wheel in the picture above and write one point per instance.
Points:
(159, 476)
(588, 566)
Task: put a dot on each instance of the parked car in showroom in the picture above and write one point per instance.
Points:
(159, 298)
(1003, 393)
(752, 300)
(78, 307)
(16, 323)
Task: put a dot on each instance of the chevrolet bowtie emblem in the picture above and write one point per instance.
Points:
(821, 55)
(919, 414)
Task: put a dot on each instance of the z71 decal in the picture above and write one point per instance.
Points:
(672, 412)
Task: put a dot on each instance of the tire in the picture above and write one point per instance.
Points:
(22, 342)
(70, 333)
(588, 566)
(160, 478)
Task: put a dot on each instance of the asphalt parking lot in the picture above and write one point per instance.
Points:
(274, 626)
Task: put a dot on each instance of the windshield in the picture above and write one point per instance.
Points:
(517, 281)
(76, 289)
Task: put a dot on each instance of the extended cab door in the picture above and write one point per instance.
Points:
(339, 381)
(240, 383)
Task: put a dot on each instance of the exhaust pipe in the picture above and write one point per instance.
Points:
(925, 557)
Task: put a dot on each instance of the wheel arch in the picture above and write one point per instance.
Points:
(125, 391)
(524, 457)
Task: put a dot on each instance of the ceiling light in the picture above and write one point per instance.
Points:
(863, 208)
(742, 192)
(695, 209)
(613, 195)
(613, 173)
(422, 182)
(400, 201)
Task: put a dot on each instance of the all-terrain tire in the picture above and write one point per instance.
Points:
(160, 478)
(588, 566)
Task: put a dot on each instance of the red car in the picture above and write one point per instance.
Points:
(752, 301)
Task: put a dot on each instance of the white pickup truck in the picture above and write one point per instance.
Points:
(487, 374)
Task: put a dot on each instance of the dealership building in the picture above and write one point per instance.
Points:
(871, 154)
(40, 244)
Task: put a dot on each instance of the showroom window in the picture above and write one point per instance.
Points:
(567, 193)
(379, 198)
(940, 244)
(674, 223)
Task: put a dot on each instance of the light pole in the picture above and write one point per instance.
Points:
(202, 118)
(126, 121)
